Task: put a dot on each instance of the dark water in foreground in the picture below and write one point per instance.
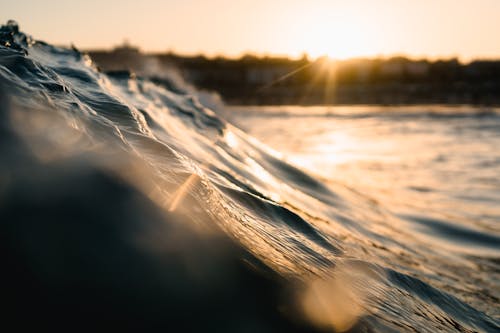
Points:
(126, 204)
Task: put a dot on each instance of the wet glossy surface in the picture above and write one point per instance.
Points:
(389, 221)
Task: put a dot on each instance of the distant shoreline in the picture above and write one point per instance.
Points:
(277, 81)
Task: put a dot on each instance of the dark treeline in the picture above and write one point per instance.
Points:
(272, 80)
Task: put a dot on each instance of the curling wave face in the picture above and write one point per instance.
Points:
(357, 264)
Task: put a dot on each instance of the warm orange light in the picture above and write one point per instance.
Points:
(337, 28)
(339, 32)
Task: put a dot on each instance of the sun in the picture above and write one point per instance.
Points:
(337, 36)
(337, 41)
(343, 49)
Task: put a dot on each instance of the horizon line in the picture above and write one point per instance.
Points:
(303, 55)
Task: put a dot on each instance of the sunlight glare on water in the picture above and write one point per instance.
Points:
(433, 170)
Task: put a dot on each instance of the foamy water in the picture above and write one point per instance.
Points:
(387, 221)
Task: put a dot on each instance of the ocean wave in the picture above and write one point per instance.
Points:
(127, 203)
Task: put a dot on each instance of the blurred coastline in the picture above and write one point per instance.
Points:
(254, 80)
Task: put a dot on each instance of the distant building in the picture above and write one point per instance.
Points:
(126, 49)
(393, 67)
(265, 75)
(364, 71)
(417, 68)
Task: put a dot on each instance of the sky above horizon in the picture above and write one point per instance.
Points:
(467, 29)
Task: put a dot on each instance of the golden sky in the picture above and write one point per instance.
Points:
(350, 28)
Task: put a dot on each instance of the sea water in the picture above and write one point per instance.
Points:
(326, 218)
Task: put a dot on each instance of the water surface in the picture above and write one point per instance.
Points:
(113, 187)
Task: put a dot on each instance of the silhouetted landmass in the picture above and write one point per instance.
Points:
(272, 80)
